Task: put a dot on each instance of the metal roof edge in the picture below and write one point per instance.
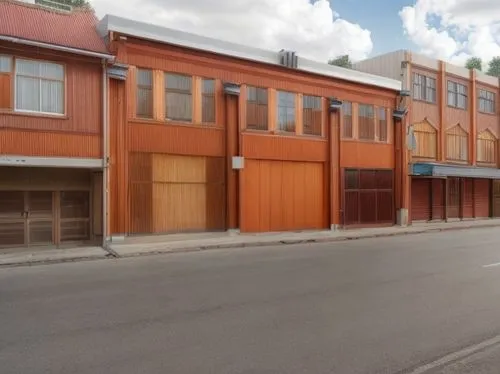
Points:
(56, 47)
(111, 23)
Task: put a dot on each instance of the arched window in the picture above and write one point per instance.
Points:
(426, 139)
(457, 145)
(486, 147)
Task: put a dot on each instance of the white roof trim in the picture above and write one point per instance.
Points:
(55, 162)
(111, 23)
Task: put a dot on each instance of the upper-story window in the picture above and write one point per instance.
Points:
(487, 101)
(5, 64)
(457, 95)
(39, 87)
(257, 108)
(178, 97)
(311, 115)
(286, 111)
(366, 122)
(424, 88)
(208, 101)
(382, 124)
(144, 93)
(347, 117)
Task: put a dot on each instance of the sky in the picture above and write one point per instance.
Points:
(452, 30)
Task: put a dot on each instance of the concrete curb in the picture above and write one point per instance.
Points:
(113, 254)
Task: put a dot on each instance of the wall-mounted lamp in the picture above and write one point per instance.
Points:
(232, 89)
(334, 104)
(405, 93)
(400, 113)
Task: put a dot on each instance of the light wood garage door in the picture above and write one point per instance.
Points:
(283, 196)
(173, 193)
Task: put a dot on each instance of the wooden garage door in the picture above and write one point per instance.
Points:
(482, 197)
(283, 196)
(420, 199)
(368, 197)
(172, 193)
(468, 205)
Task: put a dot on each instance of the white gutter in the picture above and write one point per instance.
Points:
(56, 47)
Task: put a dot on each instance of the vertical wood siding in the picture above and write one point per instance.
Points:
(283, 195)
(49, 144)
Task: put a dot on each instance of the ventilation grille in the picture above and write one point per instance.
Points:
(288, 59)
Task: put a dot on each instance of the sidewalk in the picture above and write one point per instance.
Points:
(156, 244)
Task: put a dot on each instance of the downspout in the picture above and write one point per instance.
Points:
(105, 166)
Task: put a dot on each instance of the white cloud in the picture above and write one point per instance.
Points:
(464, 28)
(310, 27)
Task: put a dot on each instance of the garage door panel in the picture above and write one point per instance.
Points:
(420, 199)
(482, 198)
(290, 196)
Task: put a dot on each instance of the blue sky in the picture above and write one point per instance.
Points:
(381, 18)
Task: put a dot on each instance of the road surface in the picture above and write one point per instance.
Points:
(414, 304)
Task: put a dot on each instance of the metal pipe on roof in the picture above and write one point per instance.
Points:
(57, 47)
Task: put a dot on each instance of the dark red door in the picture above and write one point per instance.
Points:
(453, 205)
(420, 199)
(482, 197)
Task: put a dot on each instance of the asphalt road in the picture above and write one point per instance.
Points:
(387, 305)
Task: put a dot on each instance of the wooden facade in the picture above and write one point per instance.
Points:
(455, 118)
(174, 134)
(61, 204)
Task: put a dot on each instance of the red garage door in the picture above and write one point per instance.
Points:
(420, 199)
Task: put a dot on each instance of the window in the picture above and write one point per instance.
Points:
(286, 111)
(347, 114)
(457, 95)
(5, 64)
(311, 113)
(208, 101)
(366, 122)
(486, 148)
(424, 88)
(144, 93)
(39, 87)
(178, 97)
(426, 141)
(257, 110)
(486, 101)
(382, 124)
(457, 144)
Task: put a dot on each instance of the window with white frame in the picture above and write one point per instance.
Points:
(39, 87)
(486, 101)
(424, 88)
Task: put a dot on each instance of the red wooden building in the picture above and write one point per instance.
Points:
(208, 135)
(52, 121)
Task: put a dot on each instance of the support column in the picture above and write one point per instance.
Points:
(442, 98)
(232, 149)
(335, 175)
(473, 118)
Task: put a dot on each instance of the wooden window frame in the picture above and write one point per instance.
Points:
(369, 119)
(313, 117)
(489, 138)
(347, 120)
(180, 92)
(14, 76)
(138, 86)
(212, 95)
(426, 86)
(453, 89)
(287, 107)
(383, 124)
(463, 145)
(258, 102)
(431, 134)
(486, 98)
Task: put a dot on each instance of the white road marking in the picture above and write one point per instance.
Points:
(457, 355)
(492, 265)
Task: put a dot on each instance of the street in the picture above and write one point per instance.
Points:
(388, 305)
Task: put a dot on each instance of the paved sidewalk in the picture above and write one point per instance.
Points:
(156, 244)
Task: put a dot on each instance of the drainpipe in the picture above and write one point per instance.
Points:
(105, 152)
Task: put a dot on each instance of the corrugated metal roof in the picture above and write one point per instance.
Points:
(76, 29)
